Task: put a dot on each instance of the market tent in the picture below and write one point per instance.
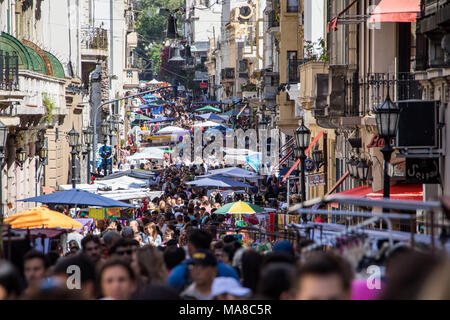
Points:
(123, 182)
(209, 102)
(401, 192)
(148, 153)
(206, 124)
(138, 174)
(161, 119)
(172, 129)
(154, 81)
(240, 207)
(208, 108)
(218, 182)
(211, 116)
(232, 172)
(42, 217)
(77, 197)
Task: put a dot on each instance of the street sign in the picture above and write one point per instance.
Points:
(203, 85)
(316, 180)
(422, 171)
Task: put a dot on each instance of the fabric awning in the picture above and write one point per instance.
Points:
(355, 192)
(395, 11)
(401, 192)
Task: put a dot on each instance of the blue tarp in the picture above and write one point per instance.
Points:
(78, 197)
(218, 182)
(161, 119)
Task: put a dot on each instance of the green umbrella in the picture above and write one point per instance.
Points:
(240, 207)
(141, 117)
(209, 108)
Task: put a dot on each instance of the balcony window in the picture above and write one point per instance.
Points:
(292, 5)
(9, 71)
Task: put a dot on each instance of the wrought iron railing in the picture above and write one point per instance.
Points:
(9, 71)
(364, 94)
(274, 19)
(94, 38)
(292, 72)
(227, 73)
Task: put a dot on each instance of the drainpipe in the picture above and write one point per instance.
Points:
(9, 16)
(111, 41)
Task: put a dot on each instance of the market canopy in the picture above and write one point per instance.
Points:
(232, 172)
(208, 108)
(211, 116)
(154, 81)
(218, 182)
(148, 153)
(206, 124)
(240, 207)
(42, 217)
(141, 117)
(161, 119)
(138, 174)
(79, 198)
(395, 11)
(172, 129)
(209, 102)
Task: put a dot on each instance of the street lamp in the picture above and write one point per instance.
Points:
(21, 155)
(105, 132)
(387, 115)
(43, 154)
(73, 136)
(3, 140)
(302, 136)
(317, 156)
(88, 136)
(362, 170)
(351, 167)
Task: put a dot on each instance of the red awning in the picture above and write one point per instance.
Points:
(355, 192)
(401, 192)
(395, 11)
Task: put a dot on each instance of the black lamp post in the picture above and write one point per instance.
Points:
(105, 132)
(43, 154)
(3, 139)
(387, 115)
(302, 136)
(88, 136)
(362, 170)
(73, 136)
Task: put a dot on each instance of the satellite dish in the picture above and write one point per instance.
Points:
(245, 12)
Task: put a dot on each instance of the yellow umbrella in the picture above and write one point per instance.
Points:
(42, 217)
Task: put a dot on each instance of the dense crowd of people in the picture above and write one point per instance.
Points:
(180, 249)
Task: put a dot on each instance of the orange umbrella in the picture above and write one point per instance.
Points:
(42, 217)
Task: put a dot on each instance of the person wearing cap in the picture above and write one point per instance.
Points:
(203, 269)
(228, 288)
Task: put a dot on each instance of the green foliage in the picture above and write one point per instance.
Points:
(315, 51)
(248, 87)
(151, 27)
(49, 107)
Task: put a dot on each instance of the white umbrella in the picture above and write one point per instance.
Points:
(172, 129)
(154, 81)
(207, 124)
(148, 153)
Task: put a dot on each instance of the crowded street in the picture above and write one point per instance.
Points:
(154, 158)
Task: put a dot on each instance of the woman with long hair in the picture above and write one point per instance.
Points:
(153, 236)
(149, 265)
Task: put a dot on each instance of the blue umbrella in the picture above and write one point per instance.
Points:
(78, 197)
(211, 116)
(218, 182)
(161, 119)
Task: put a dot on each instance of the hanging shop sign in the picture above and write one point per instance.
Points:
(316, 180)
(310, 165)
(422, 171)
